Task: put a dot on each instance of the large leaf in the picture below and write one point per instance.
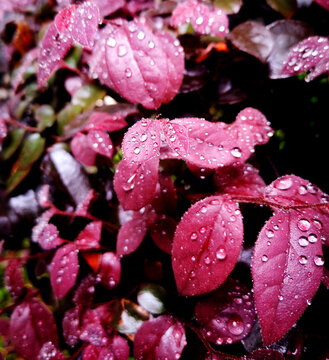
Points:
(323, 3)
(64, 270)
(286, 270)
(31, 325)
(137, 63)
(161, 338)
(206, 245)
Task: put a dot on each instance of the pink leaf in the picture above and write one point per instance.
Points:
(226, 315)
(206, 245)
(108, 122)
(323, 3)
(90, 236)
(162, 231)
(137, 63)
(14, 278)
(81, 149)
(306, 55)
(54, 47)
(110, 270)
(50, 352)
(177, 137)
(109, 7)
(135, 184)
(142, 140)
(100, 142)
(49, 237)
(31, 325)
(131, 235)
(160, 338)
(239, 180)
(82, 208)
(286, 270)
(3, 130)
(71, 326)
(64, 19)
(84, 294)
(64, 270)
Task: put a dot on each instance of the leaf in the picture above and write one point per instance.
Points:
(14, 278)
(152, 298)
(83, 207)
(142, 141)
(90, 236)
(109, 121)
(31, 150)
(131, 235)
(162, 229)
(253, 38)
(165, 198)
(229, 6)
(31, 325)
(227, 315)
(107, 8)
(50, 352)
(306, 56)
(64, 270)
(71, 326)
(28, 59)
(264, 354)
(323, 3)
(54, 46)
(110, 270)
(176, 136)
(48, 238)
(160, 338)
(84, 294)
(286, 270)
(137, 63)
(206, 245)
(135, 184)
(100, 142)
(13, 140)
(286, 7)
(239, 180)
(81, 149)
(45, 117)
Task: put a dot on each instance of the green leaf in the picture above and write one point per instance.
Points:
(229, 6)
(45, 116)
(12, 143)
(286, 7)
(31, 150)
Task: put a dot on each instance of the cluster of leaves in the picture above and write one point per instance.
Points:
(130, 245)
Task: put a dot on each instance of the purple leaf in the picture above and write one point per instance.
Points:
(64, 19)
(90, 236)
(54, 46)
(14, 278)
(135, 184)
(142, 140)
(226, 315)
(50, 352)
(162, 229)
(109, 273)
(239, 180)
(137, 63)
(64, 269)
(84, 294)
(176, 136)
(81, 149)
(160, 338)
(131, 235)
(286, 270)
(71, 326)
(49, 237)
(100, 142)
(31, 325)
(206, 245)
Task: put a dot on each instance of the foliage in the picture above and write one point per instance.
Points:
(142, 215)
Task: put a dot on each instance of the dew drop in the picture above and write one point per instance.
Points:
(264, 258)
(137, 150)
(283, 184)
(111, 42)
(317, 223)
(128, 73)
(312, 238)
(303, 260)
(207, 260)
(303, 224)
(221, 253)
(302, 190)
(236, 152)
(143, 137)
(203, 209)
(219, 341)
(140, 35)
(194, 236)
(199, 20)
(192, 274)
(202, 230)
(269, 233)
(122, 50)
(302, 241)
(318, 260)
(151, 45)
(280, 297)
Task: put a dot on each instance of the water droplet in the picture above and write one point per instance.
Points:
(280, 297)
(283, 184)
(308, 302)
(219, 341)
(317, 223)
(203, 209)
(199, 20)
(143, 137)
(302, 190)
(236, 152)
(137, 150)
(207, 260)
(128, 73)
(151, 44)
(303, 224)
(140, 35)
(318, 260)
(202, 230)
(302, 241)
(312, 238)
(303, 260)
(264, 258)
(193, 258)
(269, 233)
(192, 274)
(221, 253)
(122, 50)
(194, 236)
(111, 42)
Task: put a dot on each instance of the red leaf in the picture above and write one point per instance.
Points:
(64, 270)
(31, 325)
(110, 270)
(100, 142)
(323, 3)
(226, 315)
(81, 149)
(165, 198)
(240, 180)
(108, 122)
(90, 236)
(177, 137)
(162, 231)
(160, 338)
(14, 278)
(206, 245)
(142, 140)
(50, 352)
(71, 326)
(137, 63)
(131, 235)
(84, 294)
(286, 270)
(54, 47)
(135, 184)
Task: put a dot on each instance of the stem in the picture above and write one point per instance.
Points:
(22, 126)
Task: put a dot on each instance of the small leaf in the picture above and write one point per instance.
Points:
(135, 184)
(90, 236)
(286, 270)
(176, 136)
(229, 6)
(31, 325)
(50, 352)
(84, 294)
(286, 7)
(71, 326)
(13, 140)
(142, 140)
(14, 278)
(110, 270)
(81, 149)
(100, 142)
(160, 338)
(45, 117)
(226, 315)
(152, 298)
(64, 270)
(206, 245)
(109, 121)
(48, 238)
